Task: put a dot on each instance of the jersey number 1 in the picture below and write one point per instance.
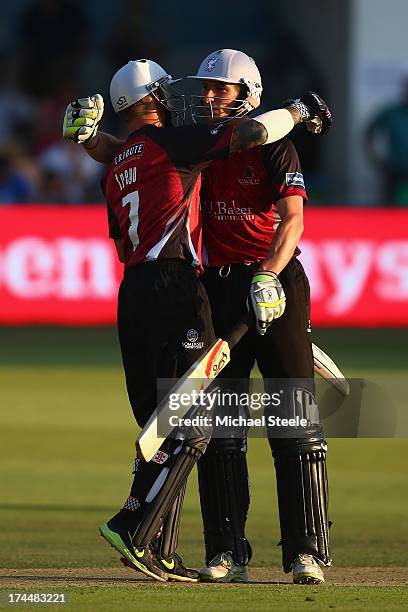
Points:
(132, 198)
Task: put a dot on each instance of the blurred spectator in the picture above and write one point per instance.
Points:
(16, 108)
(128, 40)
(15, 186)
(53, 35)
(69, 176)
(290, 71)
(49, 115)
(386, 143)
(53, 188)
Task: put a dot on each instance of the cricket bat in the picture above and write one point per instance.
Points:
(327, 369)
(197, 378)
(201, 374)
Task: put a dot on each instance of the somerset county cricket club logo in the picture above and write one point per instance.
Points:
(249, 177)
(191, 342)
(211, 64)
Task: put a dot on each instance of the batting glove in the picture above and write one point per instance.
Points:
(267, 299)
(313, 111)
(82, 119)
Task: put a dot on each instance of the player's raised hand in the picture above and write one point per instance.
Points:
(266, 298)
(313, 111)
(321, 119)
(82, 118)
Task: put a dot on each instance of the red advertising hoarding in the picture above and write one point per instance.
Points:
(357, 263)
(57, 265)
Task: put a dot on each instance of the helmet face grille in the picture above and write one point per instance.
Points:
(204, 113)
(173, 102)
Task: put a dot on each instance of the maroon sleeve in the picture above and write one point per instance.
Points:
(284, 170)
(192, 144)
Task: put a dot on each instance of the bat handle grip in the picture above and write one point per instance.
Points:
(240, 329)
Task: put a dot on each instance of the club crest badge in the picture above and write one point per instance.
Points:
(192, 335)
(249, 177)
(211, 64)
(192, 340)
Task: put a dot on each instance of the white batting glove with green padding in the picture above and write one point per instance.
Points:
(82, 118)
(267, 299)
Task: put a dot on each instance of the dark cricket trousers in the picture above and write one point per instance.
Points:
(164, 324)
(286, 349)
(284, 352)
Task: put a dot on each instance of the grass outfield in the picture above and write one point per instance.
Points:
(65, 458)
(229, 597)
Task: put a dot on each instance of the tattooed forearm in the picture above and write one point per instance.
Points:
(248, 134)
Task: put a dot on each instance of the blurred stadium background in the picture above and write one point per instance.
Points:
(67, 429)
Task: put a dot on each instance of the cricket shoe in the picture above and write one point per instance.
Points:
(306, 570)
(173, 567)
(140, 558)
(224, 569)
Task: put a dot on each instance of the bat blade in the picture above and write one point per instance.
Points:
(327, 369)
(197, 378)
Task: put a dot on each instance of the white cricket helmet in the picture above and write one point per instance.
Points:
(141, 77)
(230, 66)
